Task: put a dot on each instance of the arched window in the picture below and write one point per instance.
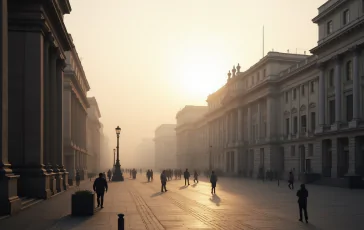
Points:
(349, 71)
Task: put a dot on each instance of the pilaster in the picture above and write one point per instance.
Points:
(338, 94)
(356, 90)
(353, 150)
(9, 200)
(334, 155)
(322, 99)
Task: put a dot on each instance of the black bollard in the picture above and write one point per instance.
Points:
(121, 222)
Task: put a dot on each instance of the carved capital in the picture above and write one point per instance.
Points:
(356, 50)
(321, 65)
(337, 58)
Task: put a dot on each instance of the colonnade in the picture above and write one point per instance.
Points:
(323, 106)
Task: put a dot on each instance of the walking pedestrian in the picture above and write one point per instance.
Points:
(291, 180)
(213, 180)
(195, 177)
(164, 181)
(100, 186)
(302, 201)
(186, 175)
(109, 174)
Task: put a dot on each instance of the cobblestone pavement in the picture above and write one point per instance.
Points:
(238, 204)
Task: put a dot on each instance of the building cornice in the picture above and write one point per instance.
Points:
(93, 102)
(329, 8)
(337, 35)
(71, 84)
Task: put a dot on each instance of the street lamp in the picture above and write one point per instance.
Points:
(113, 163)
(118, 175)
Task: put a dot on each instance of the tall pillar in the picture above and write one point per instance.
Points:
(226, 129)
(47, 104)
(67, 120)
(338, 93)
(258, 121)
(322, 100)
(63, 174)
(240, 125)
(249, 124)
(9, 200)
(28, 47)
(334, 156)
(356, 89)
(51, 165)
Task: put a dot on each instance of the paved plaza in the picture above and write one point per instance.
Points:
(238, 204)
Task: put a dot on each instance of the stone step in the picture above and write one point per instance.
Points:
(28, 202)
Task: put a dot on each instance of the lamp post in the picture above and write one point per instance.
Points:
(114, 163)
(210, 163)
(118, 175)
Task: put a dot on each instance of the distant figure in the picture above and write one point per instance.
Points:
(151, 174)
(100, 186)
(195, 177)
(213, 180)
(134, 172)
(78, 178)
(109, 174)
(302, 201)
(186, 175)
(164, 181)
(291, 180)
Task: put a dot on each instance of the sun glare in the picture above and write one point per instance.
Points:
(200, 75)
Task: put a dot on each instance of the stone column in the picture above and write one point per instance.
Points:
(249, 124)
(259, 120)
(28, 47)
(62, 182)
(322, 100)
(240, 124)
(271, 118)
(47, 103)
(338, 93)
(67, 119)
(9, 200)
(356, 90)
(226, 129)
(52, 123)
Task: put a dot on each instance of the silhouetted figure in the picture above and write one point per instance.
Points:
(151, 174)
(100, 186)
(302, 201)
(78, 179)
(195, 177)
(109, 174)
(134, 172)
(291, 180)
(213, 180)
(186, 175)
(164, 181)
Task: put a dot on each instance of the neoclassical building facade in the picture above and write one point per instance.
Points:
(187, 128)
(75, 105)
(94, 129)
(34, 40)
(291, 112)
(165, 147)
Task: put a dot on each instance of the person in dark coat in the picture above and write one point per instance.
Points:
(213, 180)
(186, 175)
(302, 201)
(164, 181)
(291, 180)
(100, 186)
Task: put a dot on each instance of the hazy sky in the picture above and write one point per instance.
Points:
(146, 59)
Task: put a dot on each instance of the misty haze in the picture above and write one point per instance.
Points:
(195, 114)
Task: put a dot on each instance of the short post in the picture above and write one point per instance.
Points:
(121, 222)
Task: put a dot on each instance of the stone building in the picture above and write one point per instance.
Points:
(292, 112)
(185, 135)
(75, 106)
(33, 44)
(93, 125)
(165, 147)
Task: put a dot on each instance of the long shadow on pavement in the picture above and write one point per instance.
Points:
(215, 199)
(156, 194)
(183, 187)
(71, 222)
